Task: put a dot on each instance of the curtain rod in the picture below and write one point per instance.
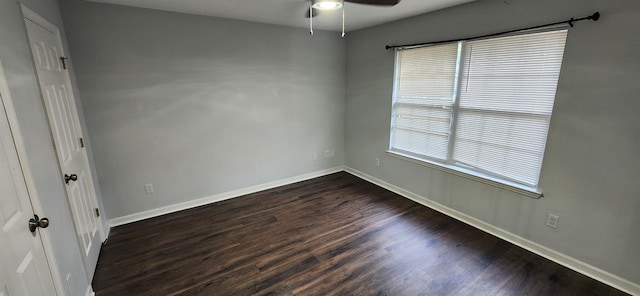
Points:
(594, 17)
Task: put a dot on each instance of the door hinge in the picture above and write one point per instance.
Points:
(81, 143)
(64, 62)
(97, 212)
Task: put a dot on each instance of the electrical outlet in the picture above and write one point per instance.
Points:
(314, 156)
(148, 188)
(552, 220)
(329, 153)
(377, 161)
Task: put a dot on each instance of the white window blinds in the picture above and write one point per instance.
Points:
(424, 99)
(497, 109)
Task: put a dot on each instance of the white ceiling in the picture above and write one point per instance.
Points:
(291, 12)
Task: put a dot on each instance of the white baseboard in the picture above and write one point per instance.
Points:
(107, 231)
(562, 259)
(218, 197)
(90, 291)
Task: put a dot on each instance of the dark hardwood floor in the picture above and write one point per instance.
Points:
(334, 235)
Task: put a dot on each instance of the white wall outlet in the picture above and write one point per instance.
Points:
(329, 153)
(148, 188)
(377, 161)
(552, 220)
(314, 156)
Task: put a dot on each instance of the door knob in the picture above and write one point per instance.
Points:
(72, 177)
(36, 222)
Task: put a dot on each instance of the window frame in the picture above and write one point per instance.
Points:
(449, 165)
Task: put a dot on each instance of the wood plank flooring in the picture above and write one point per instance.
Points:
(334, 235)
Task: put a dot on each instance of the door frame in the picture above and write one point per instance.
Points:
(29, 14)
(45, 236)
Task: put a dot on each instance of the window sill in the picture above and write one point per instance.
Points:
(503, 184)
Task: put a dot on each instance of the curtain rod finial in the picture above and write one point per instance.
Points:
(596, 16)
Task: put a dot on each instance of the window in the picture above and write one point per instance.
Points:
(479, 107)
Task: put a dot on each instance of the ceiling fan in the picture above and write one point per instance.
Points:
(318, 5)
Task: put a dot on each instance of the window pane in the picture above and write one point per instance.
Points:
(506, 144)
(423, 99)
(517, 73)
(432, 145)
(506, 98)
(427, 72)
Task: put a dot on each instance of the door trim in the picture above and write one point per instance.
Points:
(28, 178)
(30, 15)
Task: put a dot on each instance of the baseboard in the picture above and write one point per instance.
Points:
(562, 259)
(218, 197)
(107, 231)
(90, 291)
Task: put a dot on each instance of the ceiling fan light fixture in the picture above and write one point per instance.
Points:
(327, 4)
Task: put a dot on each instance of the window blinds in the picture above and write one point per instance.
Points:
(506, 98)
(501, 107)
(424, 99)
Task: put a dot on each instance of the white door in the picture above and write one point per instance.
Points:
(55, 85)
(23, 265)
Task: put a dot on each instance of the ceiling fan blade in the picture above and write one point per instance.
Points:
(375, 2)
(316, 12)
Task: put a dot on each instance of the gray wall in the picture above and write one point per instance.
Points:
(15, 55)
(592, 163)
(199, 106)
